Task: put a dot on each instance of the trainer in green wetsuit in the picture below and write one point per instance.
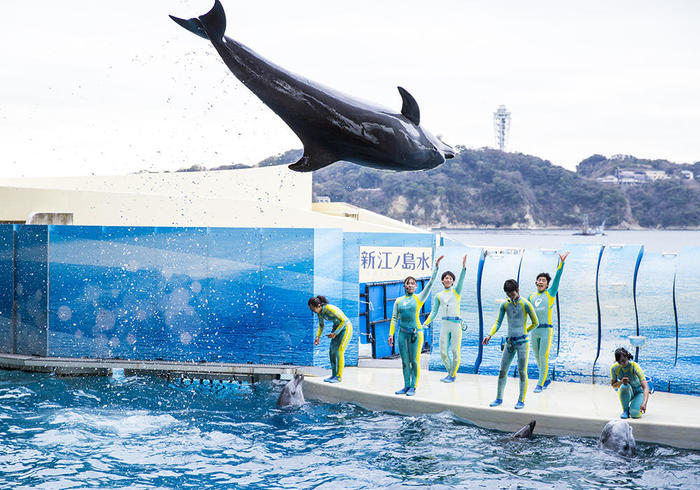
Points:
(340, 334)
(410, 337)
(541, 337)
(446, 307)
(517, 310)
(628, 376)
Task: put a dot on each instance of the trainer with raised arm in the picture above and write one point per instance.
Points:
(541, 338)
(410, 337)
(446, 306)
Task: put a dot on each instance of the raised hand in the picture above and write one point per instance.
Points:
(464, 261)
(563, 256)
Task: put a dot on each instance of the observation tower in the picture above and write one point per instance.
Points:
(501, 126)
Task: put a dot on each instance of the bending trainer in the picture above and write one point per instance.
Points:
(340, 334)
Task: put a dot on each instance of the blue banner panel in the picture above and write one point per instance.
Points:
(578, 333)
(7, 288)
(469, 309)
(534, 262)
(234, 293)
(618, 318)
(31, 289)
(657, 322)
(351, 274)
(498, 267)
(686, 375)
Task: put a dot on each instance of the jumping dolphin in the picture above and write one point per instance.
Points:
(332, 126)
(292, 394)
(617, 436)
(525, 432)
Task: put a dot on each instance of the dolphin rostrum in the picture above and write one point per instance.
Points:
(332, 126)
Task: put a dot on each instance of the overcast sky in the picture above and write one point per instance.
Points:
(111, 88)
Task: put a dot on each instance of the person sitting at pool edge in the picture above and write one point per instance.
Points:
(541, 338)
(628, 376)
(517, 309)
(410, 337)
(340, 334)
(446, 304)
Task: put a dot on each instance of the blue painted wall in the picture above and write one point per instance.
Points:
(7, 271)
(31, 290)
(240, 295)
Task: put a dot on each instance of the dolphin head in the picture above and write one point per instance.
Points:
(292, 394)
(617, 436)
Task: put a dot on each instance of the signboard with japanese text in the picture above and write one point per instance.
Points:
(379, 264)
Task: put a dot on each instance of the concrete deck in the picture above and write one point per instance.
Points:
(562, 409)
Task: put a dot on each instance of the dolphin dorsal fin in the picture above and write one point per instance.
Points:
(410, 108)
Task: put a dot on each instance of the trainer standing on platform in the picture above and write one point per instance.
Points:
(517, 309)
(541, 337)
(446, 306)
(410, 337)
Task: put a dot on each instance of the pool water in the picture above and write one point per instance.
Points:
(146, 432)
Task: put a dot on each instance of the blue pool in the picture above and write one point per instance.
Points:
(145, 432)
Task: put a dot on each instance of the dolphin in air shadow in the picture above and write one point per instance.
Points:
(332, 126)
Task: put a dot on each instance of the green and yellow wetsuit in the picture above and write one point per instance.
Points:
(410, 336)
(632, 393)
(342, 328)
(446, 306)
(517, 341)
(541, 337)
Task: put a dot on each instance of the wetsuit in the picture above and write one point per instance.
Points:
(632, 393)
(541, 337)
(446, 306)
(342, 328)
(517, 341)
(410, 336)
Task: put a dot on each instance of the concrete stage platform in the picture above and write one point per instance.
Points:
(562, 409)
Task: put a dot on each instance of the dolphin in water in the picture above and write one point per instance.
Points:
(525, 432)
(617, 436)
(292, 394)
(332, 126)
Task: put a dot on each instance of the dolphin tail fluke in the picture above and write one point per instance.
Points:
(214, 22)
(192, 25)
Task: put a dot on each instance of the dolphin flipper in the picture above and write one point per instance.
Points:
(313, 160)
(409, 109)
(211, 25)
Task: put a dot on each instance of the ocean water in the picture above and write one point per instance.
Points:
(661, 241)
(146, 432)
